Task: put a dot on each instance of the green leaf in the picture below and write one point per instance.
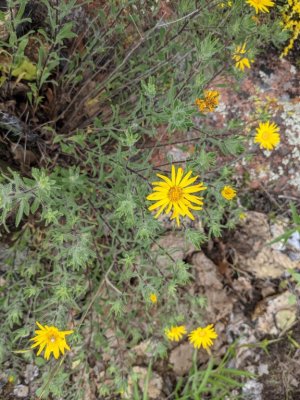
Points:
(65, 33)
(20, 213)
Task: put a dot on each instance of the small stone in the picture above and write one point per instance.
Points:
(252, 390)
(31, 372)
(145, 349)
(21, 391)
(181, 359)
(263, 369)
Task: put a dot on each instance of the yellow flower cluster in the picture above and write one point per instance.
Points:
(200, 337)
(291, 22)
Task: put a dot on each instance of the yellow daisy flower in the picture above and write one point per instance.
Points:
(241, 62)
(176, 194)
(203, 337)
(210, 101)
(228, 192)
(153, 298)
(261, 5)
(52, 339)
(175, 333)
(267, 135)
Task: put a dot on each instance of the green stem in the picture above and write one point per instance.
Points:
(206, 375)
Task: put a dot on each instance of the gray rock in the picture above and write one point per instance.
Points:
(31, 372)
(21, 391)
(252, 390)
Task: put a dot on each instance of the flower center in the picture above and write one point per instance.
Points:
(52, 339)
(201, 333)
(175, 193)
(265, 136)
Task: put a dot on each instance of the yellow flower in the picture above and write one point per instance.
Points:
(52, 339)
(203, 337)
(267, 135)
(210, 101)
(241, 62)
(222, 5)
(228, 192)
(175, 333)
(176, 194)
(290, 21)
(261, 5)
(242, 216)
(153, 298)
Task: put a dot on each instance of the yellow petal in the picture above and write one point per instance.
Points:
(158, 204)
(188, 182)
(41, 349)
(173, 175)
(40, 326)
(162, 184)
(165, 178)
(185, 179)
(193, 199)
(194, 189)
(179, 176)
(156, 196)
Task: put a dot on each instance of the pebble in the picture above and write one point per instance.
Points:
(21, 391)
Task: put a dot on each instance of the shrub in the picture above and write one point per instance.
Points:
(99, 87)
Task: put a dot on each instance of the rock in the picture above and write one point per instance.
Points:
(31, 372)
(253, 254)
(240, 331)
(21, 391)
(263, 369)
(175, 245)
(208, 282)
(277, 230)
(252, 390)
(155, 384)
(253, 233)
(145, 349)
(269, 263)
(293, 245)
(181, 358)
(275, 314)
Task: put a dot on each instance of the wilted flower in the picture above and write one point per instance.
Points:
(210, 101)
